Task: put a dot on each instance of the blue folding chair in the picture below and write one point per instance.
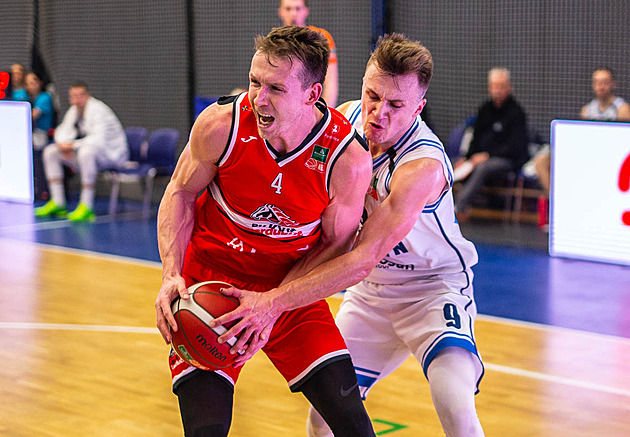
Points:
(136, 140)
(157, 158)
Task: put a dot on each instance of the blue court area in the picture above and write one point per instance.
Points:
(515, 277)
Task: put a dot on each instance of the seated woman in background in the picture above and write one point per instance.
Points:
(42, 110)
(18, 76)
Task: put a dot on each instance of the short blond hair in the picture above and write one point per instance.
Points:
(298, 43)
(396, 55)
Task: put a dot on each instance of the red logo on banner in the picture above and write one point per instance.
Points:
(4, 83)
(624, 185)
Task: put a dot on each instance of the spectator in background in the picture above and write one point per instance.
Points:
(18, 76)
(499, 143)
(294, 13)
(42, 110)
(89, 138)
(604, 107)
(43, 115)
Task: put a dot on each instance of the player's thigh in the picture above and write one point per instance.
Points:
(443, 318)
(302, 341)
(375, 348)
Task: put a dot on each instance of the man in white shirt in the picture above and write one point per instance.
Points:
(89, 138)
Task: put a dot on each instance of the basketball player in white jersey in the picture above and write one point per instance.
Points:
(410, 263)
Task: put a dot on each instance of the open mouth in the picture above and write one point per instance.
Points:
(265, 120)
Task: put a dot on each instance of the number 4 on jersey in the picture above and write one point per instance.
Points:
(277, 183)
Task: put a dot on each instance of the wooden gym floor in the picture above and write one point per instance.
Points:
(81, 355)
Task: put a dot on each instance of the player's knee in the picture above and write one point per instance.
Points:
(352, 420)
(461, 422)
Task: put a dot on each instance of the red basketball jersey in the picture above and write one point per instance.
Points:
(262, 212)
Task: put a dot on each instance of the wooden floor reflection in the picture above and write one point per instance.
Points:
(81, 357)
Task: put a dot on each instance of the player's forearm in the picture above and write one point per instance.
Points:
(324, 280)
(175, 224)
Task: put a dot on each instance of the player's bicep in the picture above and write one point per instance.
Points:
(349, 182)
(413, 186)
(197, 164)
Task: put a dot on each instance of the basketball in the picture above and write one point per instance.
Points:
(195, 341)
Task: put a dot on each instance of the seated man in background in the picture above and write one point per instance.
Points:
(499, 143)
(604, 107)
(89, 137)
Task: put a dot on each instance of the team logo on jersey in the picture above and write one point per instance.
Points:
(272, 214)
(335, 129)
(318, 158)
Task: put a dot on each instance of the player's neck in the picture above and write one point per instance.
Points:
(377, 149)
(292, 137)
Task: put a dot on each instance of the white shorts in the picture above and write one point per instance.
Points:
(383, 324)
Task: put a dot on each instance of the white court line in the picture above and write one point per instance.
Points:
(557, 379)
(553, 328)
(488, 366)
(65, 223)
(483, 317)
(86, 253)
(72, 327)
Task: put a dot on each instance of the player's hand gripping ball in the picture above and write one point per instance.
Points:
(195, 341)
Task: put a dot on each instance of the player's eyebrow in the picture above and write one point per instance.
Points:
(370, 90)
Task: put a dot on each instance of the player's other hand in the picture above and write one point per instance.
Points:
(257, 314)
(171, 288)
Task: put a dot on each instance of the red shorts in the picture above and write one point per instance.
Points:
(301, 341)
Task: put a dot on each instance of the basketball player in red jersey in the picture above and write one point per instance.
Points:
(283, 178)
(295, 13)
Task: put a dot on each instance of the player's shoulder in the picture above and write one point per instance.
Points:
(211, 129)
(215, 119)
(345, 106)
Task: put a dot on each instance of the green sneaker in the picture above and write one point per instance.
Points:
(82, 214)
(51, 209)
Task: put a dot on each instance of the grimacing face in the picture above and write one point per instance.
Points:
(389, 105)
(277, 95)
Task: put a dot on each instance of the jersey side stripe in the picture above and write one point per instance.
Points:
(233, 130)
(343, 145)
(355, 114)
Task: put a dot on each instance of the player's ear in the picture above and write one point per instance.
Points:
(314, 93)
(420, 107)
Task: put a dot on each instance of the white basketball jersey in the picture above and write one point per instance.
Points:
(435, 245)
